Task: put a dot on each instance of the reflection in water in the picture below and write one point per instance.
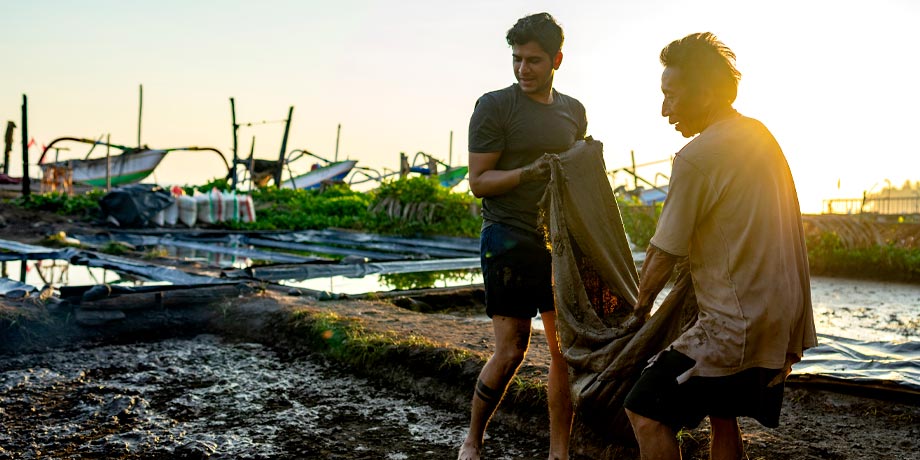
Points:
(209, 258)
(59, 273)
(426, 280)
(377, 283)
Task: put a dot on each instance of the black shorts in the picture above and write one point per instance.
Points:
(658, 396)
(517, 272)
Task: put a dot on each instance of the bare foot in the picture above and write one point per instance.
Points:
(469, 452)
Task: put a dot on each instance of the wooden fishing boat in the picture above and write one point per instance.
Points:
(453, 176)
(128, 166)
(331, 172)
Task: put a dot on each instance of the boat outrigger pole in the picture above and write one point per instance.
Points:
(287, 129)
(140, 112)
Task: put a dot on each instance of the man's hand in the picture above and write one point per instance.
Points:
(538, 170)
(791, 358)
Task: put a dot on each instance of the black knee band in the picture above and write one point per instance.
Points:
(487, 394)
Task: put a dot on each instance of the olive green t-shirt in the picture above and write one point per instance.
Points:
(732, 208)
(522, 130)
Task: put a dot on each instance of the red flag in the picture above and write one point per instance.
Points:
(31, 143)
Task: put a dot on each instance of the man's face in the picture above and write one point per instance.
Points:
(685, 109)
(534, 68)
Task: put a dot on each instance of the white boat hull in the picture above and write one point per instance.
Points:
(333, 172)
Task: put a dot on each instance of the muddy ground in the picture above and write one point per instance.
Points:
(815, 424)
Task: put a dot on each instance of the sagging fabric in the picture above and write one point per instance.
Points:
(595, 287)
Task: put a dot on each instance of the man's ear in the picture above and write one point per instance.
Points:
(707, 97)
(557, 61)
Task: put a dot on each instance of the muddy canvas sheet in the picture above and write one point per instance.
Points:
(595, 286)
(21, 251)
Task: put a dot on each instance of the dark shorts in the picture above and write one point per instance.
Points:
(517, 272)
(658, 396)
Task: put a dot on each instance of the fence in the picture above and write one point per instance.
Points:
(893, 206)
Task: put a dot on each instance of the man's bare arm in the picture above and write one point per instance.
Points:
(485, 180)
(656, 271)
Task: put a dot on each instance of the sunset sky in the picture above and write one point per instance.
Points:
(836, 81)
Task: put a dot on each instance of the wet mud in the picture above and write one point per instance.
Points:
(207, 398)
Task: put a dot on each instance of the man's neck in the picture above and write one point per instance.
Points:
(543, 97)
(720, 114)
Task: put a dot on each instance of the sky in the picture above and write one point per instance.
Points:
(835, 81)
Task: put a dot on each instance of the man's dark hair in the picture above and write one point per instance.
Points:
(541, 28)
(704, 62)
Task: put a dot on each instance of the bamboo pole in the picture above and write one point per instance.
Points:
(26, 181)
(108, 161)
(236, 158)
(140, 111)
(338, 134)
(632, 155)
(8, 141)
(287, 129)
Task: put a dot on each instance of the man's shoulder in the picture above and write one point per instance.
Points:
(500, 95)
(568, 99)
(708, 149)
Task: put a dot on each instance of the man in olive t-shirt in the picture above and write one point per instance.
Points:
(511, 131)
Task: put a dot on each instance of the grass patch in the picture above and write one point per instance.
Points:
(84, 206)
(829, 255)
(116, 248)
(346, 340)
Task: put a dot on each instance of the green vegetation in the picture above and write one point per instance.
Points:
(419, 205)
(829, 255)
(288, 209)
(639, 221)
(408, 207)
(116, 248)
(82, 206)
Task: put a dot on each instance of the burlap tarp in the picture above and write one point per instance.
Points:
(595, 285)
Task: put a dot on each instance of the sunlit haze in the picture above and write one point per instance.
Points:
(834, 80)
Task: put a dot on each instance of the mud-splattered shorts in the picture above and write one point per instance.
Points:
(516, 271)
(658, 396)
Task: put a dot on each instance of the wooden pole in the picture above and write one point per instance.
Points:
(140, 112)
(108, 162)
(287, 129)
(632, 154)
(26, 181)
(236, 157)
(8, 139)
(450, 150)
(338, 134)
(251, 164)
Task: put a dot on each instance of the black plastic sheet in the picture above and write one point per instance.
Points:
(135, 205)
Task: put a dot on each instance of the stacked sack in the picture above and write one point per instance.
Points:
(207, 208)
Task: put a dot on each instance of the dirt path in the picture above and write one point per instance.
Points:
(815, 424)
